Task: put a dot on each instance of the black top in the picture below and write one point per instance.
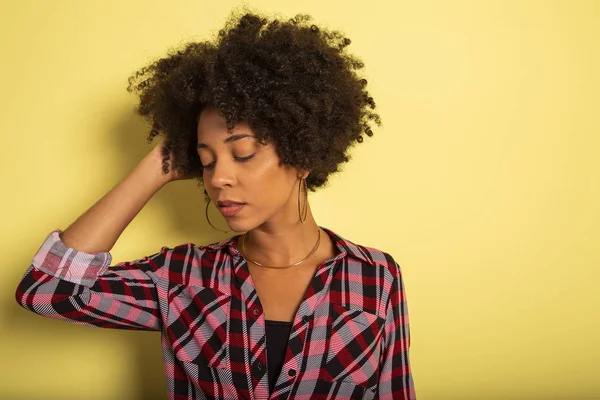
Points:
(278, 333)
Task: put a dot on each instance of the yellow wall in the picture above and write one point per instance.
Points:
(483, 183)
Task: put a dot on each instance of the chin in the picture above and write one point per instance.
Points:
(238, 226)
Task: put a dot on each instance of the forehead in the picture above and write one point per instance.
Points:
(210, 123)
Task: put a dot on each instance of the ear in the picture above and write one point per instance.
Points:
(302, 173)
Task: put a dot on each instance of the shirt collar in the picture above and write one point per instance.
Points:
(345, 247)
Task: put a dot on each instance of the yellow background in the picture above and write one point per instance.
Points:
(483, 183)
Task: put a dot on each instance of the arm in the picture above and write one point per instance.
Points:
(78, 287)
(98, 229)
(70, 276)
(395, 380)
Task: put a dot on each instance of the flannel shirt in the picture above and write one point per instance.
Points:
(349, 339)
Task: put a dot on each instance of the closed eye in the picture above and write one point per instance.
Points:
(239, 159)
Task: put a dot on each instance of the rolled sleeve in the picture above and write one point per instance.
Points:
(56, 259)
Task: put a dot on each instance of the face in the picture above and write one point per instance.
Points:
(237, 167)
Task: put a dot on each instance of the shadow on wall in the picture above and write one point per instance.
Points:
(184, 204)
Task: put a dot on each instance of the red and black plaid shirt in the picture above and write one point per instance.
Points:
(349, 339)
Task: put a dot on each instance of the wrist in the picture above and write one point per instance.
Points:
(150, 171)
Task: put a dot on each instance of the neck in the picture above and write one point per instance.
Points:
(282, 243)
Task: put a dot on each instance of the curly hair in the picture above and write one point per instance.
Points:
(292, 82)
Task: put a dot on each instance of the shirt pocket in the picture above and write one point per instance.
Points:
(198, 328)
(354, 340)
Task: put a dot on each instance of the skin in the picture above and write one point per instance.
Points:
(275, 235)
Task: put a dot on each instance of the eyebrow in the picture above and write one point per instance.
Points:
(231, 138)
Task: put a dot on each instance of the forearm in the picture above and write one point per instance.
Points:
(98, 229)
(66, 284)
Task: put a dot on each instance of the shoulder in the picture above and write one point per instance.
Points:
(200, 255)
(369, 257)
(383, 261)
(206, 266)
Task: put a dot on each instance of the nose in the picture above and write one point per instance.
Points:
(221, 174)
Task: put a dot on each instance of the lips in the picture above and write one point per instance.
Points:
(229, 203)
(230, 211)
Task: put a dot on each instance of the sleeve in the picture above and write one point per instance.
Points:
(66, 284)
(395, 379)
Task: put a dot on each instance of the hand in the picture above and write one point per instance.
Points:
(156, 157)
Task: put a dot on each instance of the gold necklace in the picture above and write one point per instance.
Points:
(286, 266)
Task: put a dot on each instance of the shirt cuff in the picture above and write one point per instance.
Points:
(56, 259)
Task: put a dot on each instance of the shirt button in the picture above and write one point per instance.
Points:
(292, 372)
(259, 366)
(256, 311)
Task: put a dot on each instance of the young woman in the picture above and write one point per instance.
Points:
(287, 310)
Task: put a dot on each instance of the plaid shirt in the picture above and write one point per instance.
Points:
(349, 339)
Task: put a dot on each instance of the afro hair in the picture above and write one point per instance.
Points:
(292, 82)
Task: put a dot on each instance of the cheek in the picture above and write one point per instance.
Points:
(270, 182)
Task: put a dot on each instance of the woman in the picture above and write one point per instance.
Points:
(289, 309)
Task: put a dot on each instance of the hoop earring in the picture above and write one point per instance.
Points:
(209, 219)
(305, 201)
